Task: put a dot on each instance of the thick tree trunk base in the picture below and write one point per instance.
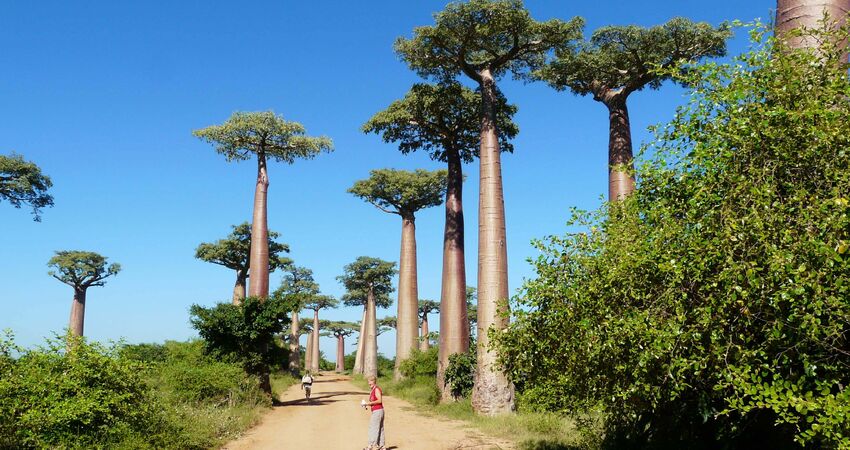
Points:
(493, 394)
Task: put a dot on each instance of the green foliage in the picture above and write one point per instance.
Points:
(245, 333)
(428, 307)
(710, 309)
(386, 366)
(81, 269)
(460, 373)
(420, 364)
(234, 251)
(317, 302)
(297, 286)
(22, 183)
(632, 57)
(443, 119)
(367, 274)
(402, 192)
(263, 133)
(90, 398)
(496, 35)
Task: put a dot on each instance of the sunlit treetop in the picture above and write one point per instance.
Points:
(298, 285)
(22, 183)
(428, 307)
(364, 274)
(497, 35)
(234, 251)
(81, 269)
(627, 58)
(441, 118)
(319, 301)
(267, 133)
(402, 192)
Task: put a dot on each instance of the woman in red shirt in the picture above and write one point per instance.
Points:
(376, 422)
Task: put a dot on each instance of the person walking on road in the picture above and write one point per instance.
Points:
(376, 422)
(307, 384)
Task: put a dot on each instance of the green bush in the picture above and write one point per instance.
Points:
(460, 373)
(420, 364)
(89, 398)
(710, 308)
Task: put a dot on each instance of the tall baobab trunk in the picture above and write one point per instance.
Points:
(239, 287)
(621, 180)
(408, 296)
(792, 14)
(294, 346)
(492, 393)
(358, 356)
(314, 367)
(370, 343)
(259, 259)
(454, 327)
(340, 353)
(424, 345)
(308, 353)
(78, 312)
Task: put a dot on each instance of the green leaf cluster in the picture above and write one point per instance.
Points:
(495, 35)
(629, 58)
(710, 309)
(297, 286)
(443, 119)
(22, 183)
(402, 192)
(263, 133)
(81, 269)
(234, 251)
(368, 274)
(460, 373)
(245, 333)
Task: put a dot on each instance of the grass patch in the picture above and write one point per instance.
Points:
(529, 430)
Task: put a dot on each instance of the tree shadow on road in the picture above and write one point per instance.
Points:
(317, 400)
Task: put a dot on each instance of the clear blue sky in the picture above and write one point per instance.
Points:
(103, 96)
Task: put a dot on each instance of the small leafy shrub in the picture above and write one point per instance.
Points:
(460, 373)
(420, 364)
(386, 366)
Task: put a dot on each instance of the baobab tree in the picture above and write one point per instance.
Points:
(809, 14)
(305, 326)
(22, 183)
(368, 282)
(298, 286)
(387, 323)
(234, 252)
(444, 119)
(340, 330)
(484, 40)
(268, 136)
(317, 303)
(620, 60)
(426, 307)
(80, 270)
(404, 193)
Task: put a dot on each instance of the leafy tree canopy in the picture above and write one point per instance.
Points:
(81, 269)
(402, 192)
(234, 251)
(267, 133)
(318, 301)
(711, 305)
(428, 307)
(297, 286)
(629, 58)
(367, 273)
(22, 183)
(497, 35)
(343, 329)
(245, 332)
(441, 119)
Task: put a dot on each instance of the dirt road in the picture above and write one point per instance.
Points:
(334, 420)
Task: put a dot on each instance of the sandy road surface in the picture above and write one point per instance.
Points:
(334, 420)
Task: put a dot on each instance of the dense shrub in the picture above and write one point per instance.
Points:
(88, 398)
(420, 364)
(246, 333)
(710, 309)
(460, 373)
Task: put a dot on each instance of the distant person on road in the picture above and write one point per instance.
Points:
(307, 384)
(376, 422)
